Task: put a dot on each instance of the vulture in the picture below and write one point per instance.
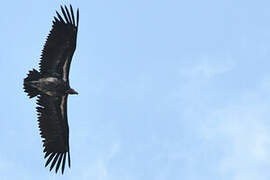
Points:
(51, 87)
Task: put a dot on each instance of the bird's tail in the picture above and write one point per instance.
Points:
(31, 91)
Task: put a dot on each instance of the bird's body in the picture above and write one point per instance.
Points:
(51, 85)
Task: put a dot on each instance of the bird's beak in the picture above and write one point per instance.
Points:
(72, 91)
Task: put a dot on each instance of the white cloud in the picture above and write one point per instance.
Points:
(245, 130)
(207, 67)
(98, 170)
(237, 130)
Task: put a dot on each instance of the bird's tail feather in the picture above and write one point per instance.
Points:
(31, 91)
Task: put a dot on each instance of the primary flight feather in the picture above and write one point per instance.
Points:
(51, 86)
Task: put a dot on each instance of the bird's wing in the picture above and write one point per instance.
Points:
(53, 125)
(60, 45)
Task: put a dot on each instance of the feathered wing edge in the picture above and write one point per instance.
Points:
(68, 18)
(54, 130)
(56, 41)
(57, 157)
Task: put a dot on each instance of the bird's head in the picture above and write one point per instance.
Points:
(71, 91)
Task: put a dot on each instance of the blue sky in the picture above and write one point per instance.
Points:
(168, 90)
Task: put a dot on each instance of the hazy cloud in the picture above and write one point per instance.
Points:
(244, 128)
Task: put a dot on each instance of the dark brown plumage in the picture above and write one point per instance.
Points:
(51, 86)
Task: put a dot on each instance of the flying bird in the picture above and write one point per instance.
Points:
(51, 86)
